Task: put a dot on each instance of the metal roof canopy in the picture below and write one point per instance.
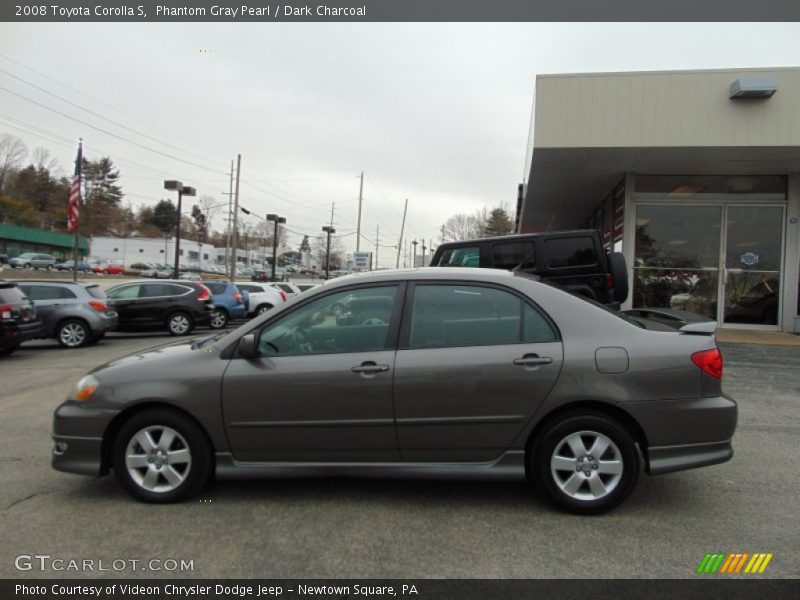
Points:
(565, 184)
(31, 235)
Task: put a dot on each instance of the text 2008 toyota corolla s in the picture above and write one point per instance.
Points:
(438, 373)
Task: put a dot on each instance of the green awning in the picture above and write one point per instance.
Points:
(31, 235)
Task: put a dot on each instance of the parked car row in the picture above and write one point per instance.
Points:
(77, 314)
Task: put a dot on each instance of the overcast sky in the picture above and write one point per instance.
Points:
(436, 113)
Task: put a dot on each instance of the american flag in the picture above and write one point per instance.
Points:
(74, 207)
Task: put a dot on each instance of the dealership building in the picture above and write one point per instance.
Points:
(693, 175)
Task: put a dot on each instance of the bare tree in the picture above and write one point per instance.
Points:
(12, 152)
(462, 227)
(44, 161)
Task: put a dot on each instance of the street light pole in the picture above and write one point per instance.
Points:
(414, 260)
(277, 220)
(329, 230)
(183, 190)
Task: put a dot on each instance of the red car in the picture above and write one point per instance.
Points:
(108, 269)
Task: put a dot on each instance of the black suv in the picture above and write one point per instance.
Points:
(177, 306)
(18, 321)
(573, 260)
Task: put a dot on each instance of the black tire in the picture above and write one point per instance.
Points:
(179, 316)
(26, 266)
(219, 319)
(619, 271)
(553, 438)
(73, 333)
(49, 267)
(190, 436)
(262, 308)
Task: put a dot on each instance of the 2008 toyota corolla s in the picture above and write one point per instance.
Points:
(463, 373)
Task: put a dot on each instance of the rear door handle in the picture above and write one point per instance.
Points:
(532, 360)
(370, 367)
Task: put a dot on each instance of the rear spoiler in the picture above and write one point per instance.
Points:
(679, 320)
(701, 328)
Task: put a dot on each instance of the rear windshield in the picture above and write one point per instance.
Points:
(95, 291)
(10, 295)
(608, 309)
(216, 288)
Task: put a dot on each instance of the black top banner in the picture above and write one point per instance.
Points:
(268, 11)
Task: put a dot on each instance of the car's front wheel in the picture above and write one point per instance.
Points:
(585, 463)
(263, 308)
(219, 319)
(180, 323)
(161, 456)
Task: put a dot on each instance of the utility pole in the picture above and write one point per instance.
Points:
(423, 252)
(277, 220)
(400, 242)
(329, 231)
(414, 260)
(236, 216)
(377, 245)
(360, 200)
(229, 220)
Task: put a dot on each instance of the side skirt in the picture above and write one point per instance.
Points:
(509, 467)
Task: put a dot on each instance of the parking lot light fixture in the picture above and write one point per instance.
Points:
(277, 220)
(329, 230)
(174, 185)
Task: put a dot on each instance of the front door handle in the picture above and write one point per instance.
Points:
(370, 367)
(530, 360)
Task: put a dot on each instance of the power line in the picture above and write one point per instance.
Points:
(124, 139)
(91, 112)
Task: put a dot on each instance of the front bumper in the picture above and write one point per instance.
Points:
(78, 438)
(685, 434)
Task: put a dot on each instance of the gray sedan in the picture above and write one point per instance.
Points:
(439, 373)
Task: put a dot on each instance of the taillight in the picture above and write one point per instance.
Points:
(5, 311)
(237, 296)
(97, 305)
(609, 281)
(205, 293)
(283, 295)
(710, 361)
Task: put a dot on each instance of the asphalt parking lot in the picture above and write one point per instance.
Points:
(370, 528)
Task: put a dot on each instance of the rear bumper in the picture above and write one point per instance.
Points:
(13, 334)
(667, 459)
(685, 434)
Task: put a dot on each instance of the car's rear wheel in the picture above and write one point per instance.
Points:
(72, 333)
(219, 319)
(263, 308)
(161, 456)
(180, 323)
(585, 463)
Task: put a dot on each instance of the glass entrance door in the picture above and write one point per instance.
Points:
(752, 252)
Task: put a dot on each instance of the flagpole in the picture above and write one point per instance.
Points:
(75, 250)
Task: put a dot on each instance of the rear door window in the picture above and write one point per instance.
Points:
(464, 315)
(468, 256)
(570, 252)
(510, 255)
(47, 292)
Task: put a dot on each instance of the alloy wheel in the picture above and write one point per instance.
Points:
(179, 324)
(586, 465)
(72, 335)
(158, 459)
(218, 320)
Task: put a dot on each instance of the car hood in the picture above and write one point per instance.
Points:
(161, 354)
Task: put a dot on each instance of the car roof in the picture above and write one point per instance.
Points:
(514, 237)
(57, 282)
(427, 273)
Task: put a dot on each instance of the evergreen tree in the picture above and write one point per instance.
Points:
(164, 216)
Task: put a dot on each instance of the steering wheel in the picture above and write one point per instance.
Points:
(300, 340)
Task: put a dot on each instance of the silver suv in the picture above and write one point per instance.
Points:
(75, 314)
(33, 260)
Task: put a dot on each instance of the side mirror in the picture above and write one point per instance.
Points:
(247, 346)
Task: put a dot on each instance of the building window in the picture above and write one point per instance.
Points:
(141, 250)
(162, 252)
(205, 256)
(181, 252)
(192, 254)
(116, 249)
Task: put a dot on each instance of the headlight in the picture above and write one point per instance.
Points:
(84, 388)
